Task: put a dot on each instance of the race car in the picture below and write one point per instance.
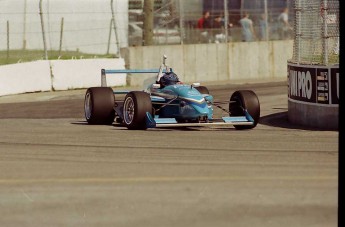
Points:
(167, 102)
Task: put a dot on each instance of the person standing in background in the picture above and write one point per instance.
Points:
(263, 26)
(218, 29)
(284, 26)
(204, 24)
(248, 33)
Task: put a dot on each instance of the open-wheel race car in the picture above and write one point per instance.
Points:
(167, 102)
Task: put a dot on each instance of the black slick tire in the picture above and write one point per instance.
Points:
(241, 100)
(99, 106)
(135, 107)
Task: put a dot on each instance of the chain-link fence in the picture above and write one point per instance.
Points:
(64, 29)
(180, 19)
(317, 32)
(42, 29)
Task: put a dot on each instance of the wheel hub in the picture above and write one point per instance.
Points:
(128, 110)
(88, 106)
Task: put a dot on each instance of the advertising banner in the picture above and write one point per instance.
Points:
(302, 84)
(313, 84)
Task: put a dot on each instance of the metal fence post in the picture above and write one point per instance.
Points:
(182, 31)
(298, 10)
(8, 40)
(61, 35)
(114, 23)
(266, 20)
(109, 37)
(325, 32)
(24, 26)
(43, 31)
(226, 19)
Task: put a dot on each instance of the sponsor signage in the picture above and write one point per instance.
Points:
(302, 83)
(334, 86)
(322, 82)
(313, 85)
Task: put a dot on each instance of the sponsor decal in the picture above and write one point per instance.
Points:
(302, 84)
(322, 86)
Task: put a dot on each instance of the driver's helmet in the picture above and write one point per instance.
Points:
(168, 78)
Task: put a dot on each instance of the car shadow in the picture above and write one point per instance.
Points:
(280, 120)
(79, 123)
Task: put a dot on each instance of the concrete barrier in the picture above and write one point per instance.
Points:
(25, 77)
(72, 74)
(58, 75)
(215, 62)
(193, 63)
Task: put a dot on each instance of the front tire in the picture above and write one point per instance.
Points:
(241, 100)
(135, 107)
(99, 105)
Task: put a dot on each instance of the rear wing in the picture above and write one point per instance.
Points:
(104, 72)
(162, 69)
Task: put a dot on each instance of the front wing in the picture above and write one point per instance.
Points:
(171, 122)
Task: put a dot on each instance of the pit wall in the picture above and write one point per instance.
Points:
(253, 61)
(57, 75)
(313, 95)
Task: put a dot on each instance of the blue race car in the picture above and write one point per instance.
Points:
(167, 103)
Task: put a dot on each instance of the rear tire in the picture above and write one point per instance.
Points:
(135, 106)
(245, 99)
(99, 105)
(202, 90)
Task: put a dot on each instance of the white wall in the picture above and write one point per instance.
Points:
(25, 77)
(72, 74)
(58, 75)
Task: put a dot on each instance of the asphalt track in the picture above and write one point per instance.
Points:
(58, 171)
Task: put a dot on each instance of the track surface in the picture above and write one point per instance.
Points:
(58, 171)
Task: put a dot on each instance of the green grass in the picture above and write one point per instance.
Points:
(15, 56)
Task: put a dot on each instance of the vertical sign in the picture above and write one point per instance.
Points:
(334, 85)
(322, 82)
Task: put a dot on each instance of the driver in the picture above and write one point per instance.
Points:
(169, 78)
